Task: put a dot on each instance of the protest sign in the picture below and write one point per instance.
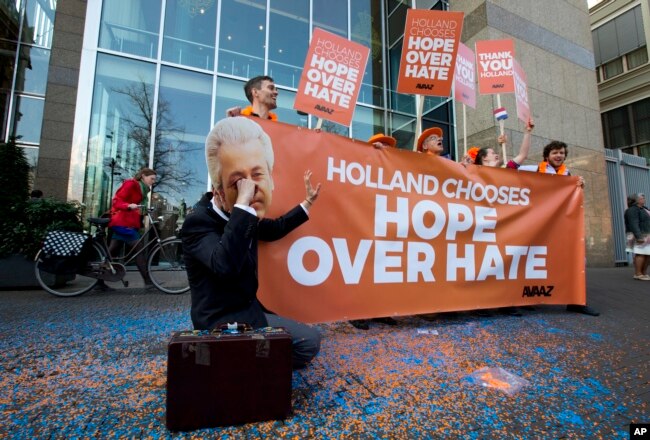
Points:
(431, 40)
(331, 78)
(465, 76)
(395, 232)
(521, 93)
(494, 60)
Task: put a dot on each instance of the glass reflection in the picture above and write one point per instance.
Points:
(32, 70)
(367, 122)
(183, 121)
(38, 28)
(332, 16)
(190, 33)
(7, 64)
(28, 119)
(365, 19)
(242, 38)
(288, 40)
(120, 128)
(10, 28)
(131, 26)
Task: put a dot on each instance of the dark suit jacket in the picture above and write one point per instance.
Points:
(221, 262)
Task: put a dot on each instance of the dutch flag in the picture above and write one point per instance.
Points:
(500, 113)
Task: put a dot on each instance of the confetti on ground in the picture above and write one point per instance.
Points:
(95, 366)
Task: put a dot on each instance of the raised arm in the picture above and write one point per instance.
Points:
(525, 143)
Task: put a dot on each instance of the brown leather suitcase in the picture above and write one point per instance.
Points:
(228, 377)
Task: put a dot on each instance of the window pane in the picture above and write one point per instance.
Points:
(183, 121)
(131, 26)
(31, 154)
(7, 64)
(190, 33)
(637, 58)
(619, 128)
(366, 29)
(11, 21)
(367, 122)
(332, 16)
(399, 102)
(613, 68)
(288, 40)
(403, 129)
(39, 22)
(32, 70)
(241, 38)
(641, 111)
(28, 119)
(119, 136)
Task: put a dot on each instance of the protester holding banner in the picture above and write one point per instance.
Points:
(380, 140)
(430, 141)
(263, 95)
(555, 153)
(220, 245)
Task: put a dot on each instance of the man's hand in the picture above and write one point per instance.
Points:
(245, 191)
(311, 193)
(581, 181)
(502, 139)
(233, 111)
(530, 125)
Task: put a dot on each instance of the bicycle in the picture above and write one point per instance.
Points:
(165, 264)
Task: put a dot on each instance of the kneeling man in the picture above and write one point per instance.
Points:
(220, 241)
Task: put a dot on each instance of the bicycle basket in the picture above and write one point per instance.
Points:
(65, 252)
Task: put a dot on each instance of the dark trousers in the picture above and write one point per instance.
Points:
(305, 339)
(116, 245)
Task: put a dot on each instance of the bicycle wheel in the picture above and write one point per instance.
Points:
(167, 268)
(69, 284)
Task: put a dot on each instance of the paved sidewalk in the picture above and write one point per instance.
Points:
(95, 365)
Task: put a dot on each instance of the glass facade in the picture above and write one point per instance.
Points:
(25, 41)
(178, 65)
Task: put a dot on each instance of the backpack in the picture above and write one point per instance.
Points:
(65, 252)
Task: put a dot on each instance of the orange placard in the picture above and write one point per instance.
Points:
(465, 76)
(395, 232)
(331, 79)
(431, 41)
(494, 60)
(521, 93)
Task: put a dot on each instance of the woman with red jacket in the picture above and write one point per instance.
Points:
(126, 217)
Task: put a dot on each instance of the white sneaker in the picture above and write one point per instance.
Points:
(642, 277)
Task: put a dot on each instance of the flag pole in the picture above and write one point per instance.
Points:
(419, 109)
(501, 131)
(464, 130)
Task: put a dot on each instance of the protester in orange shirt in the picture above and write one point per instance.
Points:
(263, 96)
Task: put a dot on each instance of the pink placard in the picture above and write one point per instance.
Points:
(465, 76)
(521, 93)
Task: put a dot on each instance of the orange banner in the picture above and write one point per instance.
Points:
(331, 79)
(494, 60)
(431, 40)
(395, 232)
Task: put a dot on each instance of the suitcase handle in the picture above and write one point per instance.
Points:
(234, 327)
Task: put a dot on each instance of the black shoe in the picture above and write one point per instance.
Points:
(103, 287)
(484, 313)
(582, 309)
(149, 287)
(430, 316)
(530, 308)
(511, 311)
(385, 320)
(361, 324)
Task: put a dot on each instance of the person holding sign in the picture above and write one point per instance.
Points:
(488, 157)
(263, 96)
(220, 243)
(555, 153)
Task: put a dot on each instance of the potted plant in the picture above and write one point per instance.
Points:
(24, 223)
